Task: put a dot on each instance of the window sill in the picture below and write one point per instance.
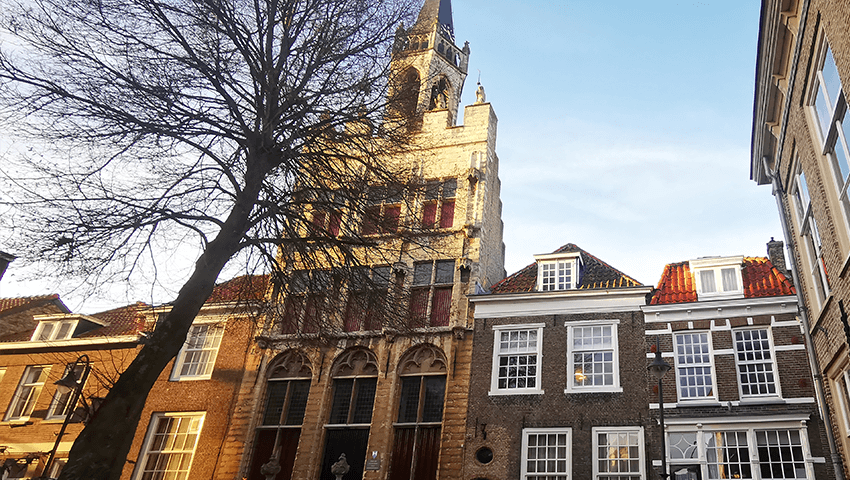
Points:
(516, 392)
(20, 422)
(699, 403)
(190, 379)
(761, 400)
(574, 391)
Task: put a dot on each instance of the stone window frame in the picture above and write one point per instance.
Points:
(684, 366)
(774, 371)
(439, 203)
(614, 348)
(635, 431)
(566, 458)
(498, 330)
(196, 421)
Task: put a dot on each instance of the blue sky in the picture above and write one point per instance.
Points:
(624, 127)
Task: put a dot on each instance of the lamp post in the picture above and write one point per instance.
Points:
(658, 368)
(73, 386)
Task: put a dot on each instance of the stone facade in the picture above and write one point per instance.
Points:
(306, 399)
(799, 145)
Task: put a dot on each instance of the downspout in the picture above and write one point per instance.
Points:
(775, 181)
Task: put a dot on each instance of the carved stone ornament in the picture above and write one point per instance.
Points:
(480, 96)
(291, 364)
(341, 467)
(423, 359)
(270, 469)
(356, 362)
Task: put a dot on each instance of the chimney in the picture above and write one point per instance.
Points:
(776, 254)
(5, 260)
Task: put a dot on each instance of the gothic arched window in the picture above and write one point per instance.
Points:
(416, 446)
(279, 429)
(355, 380)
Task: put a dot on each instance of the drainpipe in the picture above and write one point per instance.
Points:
(775, 181)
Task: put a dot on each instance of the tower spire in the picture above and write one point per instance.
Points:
(439, 12)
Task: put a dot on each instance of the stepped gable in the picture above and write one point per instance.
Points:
(596, 274)
(760, 279)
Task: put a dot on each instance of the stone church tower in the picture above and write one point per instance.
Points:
(394, 403)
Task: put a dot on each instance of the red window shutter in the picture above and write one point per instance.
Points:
(441, 307)
(391, 216)
(419, 305)
(318, 222)
(355, 312)
(429, 215)
(372, 319)
(370, 220)
(334, 223)
(447, 214)
(291, 312)
(313, 313)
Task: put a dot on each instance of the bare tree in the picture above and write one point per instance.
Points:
(224, 122)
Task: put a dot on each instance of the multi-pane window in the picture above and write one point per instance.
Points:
(557, 275)
(54, 330)
(197, 357)
(618, 453)
(23, 402)
(438, 208)
(546, 454)
(516, 359)
(727, 455)
(304, 307)
(811, 237)
(743, 451)
(366, 299)
(719, 281)
(383, 210)
(170, 446)
(60, 405)
(352, 401)
(431, 292)
(592, 359)
(279, 428)
(694, 375)
(754, 358)
(830, 106)
(327, 214)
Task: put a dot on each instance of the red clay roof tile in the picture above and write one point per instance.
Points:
(760, 279)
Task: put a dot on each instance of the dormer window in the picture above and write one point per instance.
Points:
(54, 330)
(718, 277)
(557, 271)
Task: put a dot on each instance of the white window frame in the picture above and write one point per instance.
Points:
(841, 387)
(497, 354)
(195, 419)
(641, 451)
(557, 262)
(189, 349)
(61, 399)
(33, 390)
(718, 267)
(524, 473)
(807, 227)
(771, 362)
(614, 348)
(53, 334)
(679, 366)
(702, 433)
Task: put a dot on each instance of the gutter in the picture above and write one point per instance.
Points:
(75, 342)
(837, 464)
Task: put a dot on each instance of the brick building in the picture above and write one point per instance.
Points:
(391, 398)
(558, 381)
(189, 408)
(800, 146)
(739, 401)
